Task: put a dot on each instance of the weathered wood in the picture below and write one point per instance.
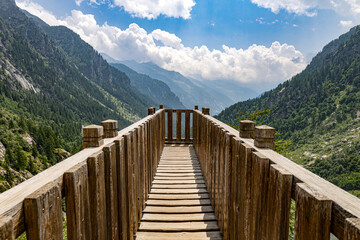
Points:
(97, 198)
(179, 226)
(6, 228)
(129, 185)
(77, 202)
(179, 196)
(258, 202)
(278, 204)
(182, 209)
(170, 125)
(214, 235)
(111, 190)
(198, 202)
(43, 213)
(123, 187)
(12, 200)
(244, 190)
(178, 125)
(184, 182)
(352, 229)
(312, 215)
(178, 186)
(178, 217)
(187, 125)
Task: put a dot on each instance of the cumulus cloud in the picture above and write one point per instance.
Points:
(346, 24)
(308, 7)
(254, 64)
(151, 9)
(78, 2)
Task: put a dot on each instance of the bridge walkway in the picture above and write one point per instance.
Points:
(178, 206)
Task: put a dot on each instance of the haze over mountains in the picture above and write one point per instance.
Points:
(319, 110)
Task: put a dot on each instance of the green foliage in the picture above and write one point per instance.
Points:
(253, 116)
(316, 110)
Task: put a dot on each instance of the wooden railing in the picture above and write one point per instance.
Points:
(251, 189)
(181, 116)
(104, 188)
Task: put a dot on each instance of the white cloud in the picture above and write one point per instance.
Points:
(151, 9)
(309, 7)
(78, 2)
(254, 64)
(346, 24)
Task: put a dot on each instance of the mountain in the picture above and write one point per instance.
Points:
(319, 110)
(190, 92)
(52, 83)
(157, 90)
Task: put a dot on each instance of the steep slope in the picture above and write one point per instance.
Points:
(47, 94)
(157, 90)
(319, 109)
(189, 91)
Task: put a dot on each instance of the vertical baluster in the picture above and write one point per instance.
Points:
(43, 213)
(178, 125)
(170, 125)
(6, 228)
(187, 126)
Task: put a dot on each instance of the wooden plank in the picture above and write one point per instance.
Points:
(179, 226)
(187, 125)
(178, 186)
(179, 171)
(171, 182)
(77, 202)
(310, 224)
(226, 185)
(244, 190)
(213, 235)
(178, 191)
(123, 192)
(234, 188)
(178, 125)
(111, 191)
(43, 213)
(200, 178)
(170, 125)
(179, 196)
(97, 200)
(178, 217)
(352, 229)
(129, 185)
(345, 203)
(259, 187)
(198, 202)
(173, 174)
(12, 200)
(6, 228)
(178, 168)
(279, 202)
(181, 209)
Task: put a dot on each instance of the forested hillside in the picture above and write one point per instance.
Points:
(319, 110)
(157, 90)
(48, 92)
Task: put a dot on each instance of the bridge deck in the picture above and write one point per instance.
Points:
(178, 206)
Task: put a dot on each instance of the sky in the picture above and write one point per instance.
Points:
(253, 42)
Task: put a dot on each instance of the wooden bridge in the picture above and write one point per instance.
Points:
(177, 174)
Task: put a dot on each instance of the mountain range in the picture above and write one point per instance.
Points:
(319, 110)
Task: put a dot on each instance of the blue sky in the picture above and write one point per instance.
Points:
(250, 41)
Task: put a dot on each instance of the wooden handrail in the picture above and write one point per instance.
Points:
(179, 126)
(251, 189)
(105, 173)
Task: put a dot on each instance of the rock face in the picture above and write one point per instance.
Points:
(2, 152)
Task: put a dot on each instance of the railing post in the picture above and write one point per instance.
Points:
(151, 110)
(247, 129)
(196, 107)
(161, 106)
(110, 128)
(264, 137)
(92, 136)
(206, 111)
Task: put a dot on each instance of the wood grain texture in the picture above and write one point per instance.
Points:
(97, 199)
(213, 235)
(77, 202)
(6, 228)
(312, 215)
(43, 213)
